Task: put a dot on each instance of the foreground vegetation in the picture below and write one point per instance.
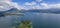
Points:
(23, 24)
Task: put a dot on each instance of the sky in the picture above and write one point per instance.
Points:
(28, 4)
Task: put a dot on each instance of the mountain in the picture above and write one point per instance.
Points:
(52, 10)
(13, 10)
(9, 11)
(34, 10)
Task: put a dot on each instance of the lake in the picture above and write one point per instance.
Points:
(39, 20)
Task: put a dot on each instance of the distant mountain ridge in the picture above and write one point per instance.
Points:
(10, 11)
(45, 10)
(13, 10)
(52, 10)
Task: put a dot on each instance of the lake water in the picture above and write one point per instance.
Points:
(39, 20)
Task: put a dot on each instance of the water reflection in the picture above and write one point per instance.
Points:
(40, 20)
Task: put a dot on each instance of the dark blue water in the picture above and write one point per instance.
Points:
(39, 20)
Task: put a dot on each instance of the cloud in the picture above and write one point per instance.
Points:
(30, 3)
(34, 5)
(1, 7)
(8, 4)
(48, 6)
(55, 5)
(41, 5)
(5, 0)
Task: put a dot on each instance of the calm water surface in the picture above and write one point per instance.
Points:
(39, 20)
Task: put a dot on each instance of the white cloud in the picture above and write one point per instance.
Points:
(5, 0)
(30, 3)
(34, 5)
(55, 5)
(8, 4)
(1, 7)
(47, 6)
(42, 6)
